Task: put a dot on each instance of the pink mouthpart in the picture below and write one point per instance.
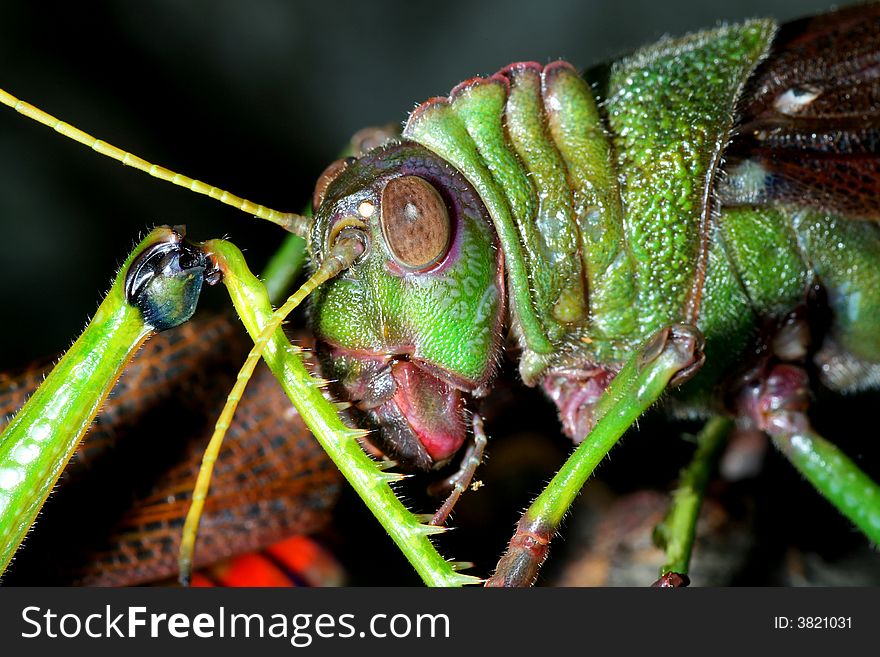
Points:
(433, 409)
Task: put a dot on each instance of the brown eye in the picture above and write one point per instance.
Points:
(415, 222)
(328, 176)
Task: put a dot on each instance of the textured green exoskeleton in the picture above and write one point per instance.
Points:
(604, 202)
(604, 223)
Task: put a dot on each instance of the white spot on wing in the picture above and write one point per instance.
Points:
(792, 101)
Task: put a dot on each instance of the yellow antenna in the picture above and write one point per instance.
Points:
(348, 248)
(289, 221)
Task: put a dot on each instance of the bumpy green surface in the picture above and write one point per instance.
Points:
(670, 111)
(532, 143)
(761, 263)
(755, 269)
(727, 319)
(766, 257)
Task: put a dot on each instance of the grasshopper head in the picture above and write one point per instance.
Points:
(412, 329)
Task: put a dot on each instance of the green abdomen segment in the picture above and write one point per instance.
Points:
(762, 261)
(755, 270)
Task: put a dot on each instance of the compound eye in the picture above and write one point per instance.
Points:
(329, 174)
(415, 222)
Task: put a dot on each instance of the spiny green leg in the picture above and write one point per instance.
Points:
(340, 441)
(668, 358)
(348, 246)
(677, 531)
(783, 402)
(157, 288)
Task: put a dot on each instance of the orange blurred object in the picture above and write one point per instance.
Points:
(295, 561)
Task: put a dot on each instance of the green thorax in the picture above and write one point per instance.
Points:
(603, 210)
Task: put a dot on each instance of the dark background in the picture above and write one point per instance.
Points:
(257, 97)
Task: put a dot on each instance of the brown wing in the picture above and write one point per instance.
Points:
(809, 121)
(117, 514)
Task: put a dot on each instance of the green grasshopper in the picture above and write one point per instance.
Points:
(623, 232)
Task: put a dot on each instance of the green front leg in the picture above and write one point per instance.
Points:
(668, 358)
(250, 298)
(157, 288)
